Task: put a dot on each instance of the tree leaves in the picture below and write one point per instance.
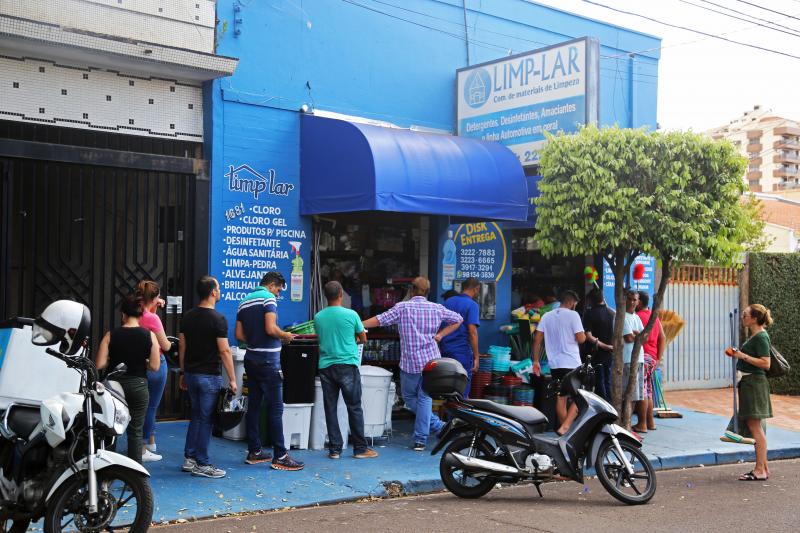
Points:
(613, 191)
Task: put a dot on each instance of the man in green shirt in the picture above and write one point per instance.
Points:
(338, 329)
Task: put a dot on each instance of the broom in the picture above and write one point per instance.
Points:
(671, 324)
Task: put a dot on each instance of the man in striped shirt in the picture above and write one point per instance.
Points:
(257, 325)
(420, 324)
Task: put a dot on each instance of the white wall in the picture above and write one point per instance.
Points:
(180, 23)
(79, 96)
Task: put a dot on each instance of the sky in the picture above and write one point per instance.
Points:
(704, 82)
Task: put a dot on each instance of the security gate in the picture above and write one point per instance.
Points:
(88, 224)
(703, 297)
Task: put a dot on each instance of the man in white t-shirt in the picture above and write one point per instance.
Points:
(633, 326)
(561, 330)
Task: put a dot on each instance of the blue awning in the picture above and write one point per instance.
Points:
(533, 193)
(345, 166)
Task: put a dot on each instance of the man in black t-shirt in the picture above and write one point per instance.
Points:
(598, 322)
(203, 345)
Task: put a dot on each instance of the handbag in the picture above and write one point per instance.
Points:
(778, 366)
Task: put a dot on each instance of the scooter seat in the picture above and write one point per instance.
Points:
(526, 415)
(22, 420)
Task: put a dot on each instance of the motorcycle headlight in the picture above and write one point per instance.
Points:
(121, 419)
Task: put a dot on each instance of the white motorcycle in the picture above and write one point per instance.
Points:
(53, 458)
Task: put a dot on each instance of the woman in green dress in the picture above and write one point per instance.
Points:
(754, 403)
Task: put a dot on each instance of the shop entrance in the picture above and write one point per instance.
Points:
(534, 276)
(375, 256)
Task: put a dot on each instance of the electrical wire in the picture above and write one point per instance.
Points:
(749, 15)
(699, 32)
(440, 30)
(792, 33)
(768, 9)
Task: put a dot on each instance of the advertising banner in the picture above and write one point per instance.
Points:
(515, 100)
(647, 283)
(256, 230)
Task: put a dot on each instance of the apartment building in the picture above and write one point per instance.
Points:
(772, 147)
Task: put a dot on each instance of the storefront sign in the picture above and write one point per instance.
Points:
(259, 230)
(647, 283)
(515, 100)
(480, 251)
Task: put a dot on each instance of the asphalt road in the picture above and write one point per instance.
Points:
(699, 499)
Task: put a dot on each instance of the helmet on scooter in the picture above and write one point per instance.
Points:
(230, 409)
(62, 321)
(443, 377)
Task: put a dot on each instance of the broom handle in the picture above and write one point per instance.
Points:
(733, 365)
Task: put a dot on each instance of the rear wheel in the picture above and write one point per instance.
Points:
(463, 483)
(633, 489)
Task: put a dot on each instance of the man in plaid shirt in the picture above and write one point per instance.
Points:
(420, 324)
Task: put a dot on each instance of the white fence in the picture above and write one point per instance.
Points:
(703, 297)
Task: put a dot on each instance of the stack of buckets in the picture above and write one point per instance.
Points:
(482, 378)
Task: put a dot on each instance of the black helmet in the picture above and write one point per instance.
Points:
(230, 409)
(443, 377)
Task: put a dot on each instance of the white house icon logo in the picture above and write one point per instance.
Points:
(246, 179)
(477, 88)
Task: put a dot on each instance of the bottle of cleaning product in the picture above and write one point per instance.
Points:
(448, 262)
(296, 283)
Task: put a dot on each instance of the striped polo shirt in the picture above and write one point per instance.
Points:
(251, 314)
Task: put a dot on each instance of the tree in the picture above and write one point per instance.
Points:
(617, 193)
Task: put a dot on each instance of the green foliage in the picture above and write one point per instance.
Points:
(775, 283)
(620, 192)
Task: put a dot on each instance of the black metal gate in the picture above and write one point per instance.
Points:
(91, 232)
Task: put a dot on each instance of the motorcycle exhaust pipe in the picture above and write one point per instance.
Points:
(473, 463)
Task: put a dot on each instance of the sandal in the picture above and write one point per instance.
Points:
(750, 476)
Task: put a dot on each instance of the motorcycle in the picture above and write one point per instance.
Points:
(486, 443)
(54, 461)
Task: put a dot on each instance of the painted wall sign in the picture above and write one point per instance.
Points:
(647, 283)
(515, 100)
(257, 230)
(480, 251)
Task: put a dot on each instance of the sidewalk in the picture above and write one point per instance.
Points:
(677, 443)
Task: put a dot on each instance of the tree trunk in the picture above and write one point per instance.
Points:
(658, 298)
(620, 268)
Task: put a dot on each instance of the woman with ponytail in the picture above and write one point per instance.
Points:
(754, 402)
(137, 347)
(150, 292)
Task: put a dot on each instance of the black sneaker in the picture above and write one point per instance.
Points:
(258, 457)
(287, 463)
(419, 447)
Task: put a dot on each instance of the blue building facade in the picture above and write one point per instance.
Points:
(387, 61)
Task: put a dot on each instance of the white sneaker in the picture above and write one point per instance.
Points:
(150, 457)
(189, 464)
(151, 447)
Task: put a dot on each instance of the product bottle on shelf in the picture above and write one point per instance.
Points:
(448, 261)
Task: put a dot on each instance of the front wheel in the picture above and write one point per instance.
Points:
(632, 489)
(125, 503)
(463, 483)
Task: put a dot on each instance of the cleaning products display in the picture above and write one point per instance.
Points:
(296, 282)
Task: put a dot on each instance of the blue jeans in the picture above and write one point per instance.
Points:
(264, 383)
(346, 378)
(466, 360)
(602, 380)
(203, 394)
(420, 404)
(156, 381)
